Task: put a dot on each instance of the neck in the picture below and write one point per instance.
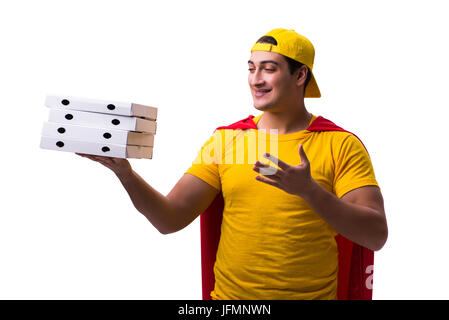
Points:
(285, 122)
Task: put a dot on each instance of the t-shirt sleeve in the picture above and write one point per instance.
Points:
(205, 165)
(353, 167)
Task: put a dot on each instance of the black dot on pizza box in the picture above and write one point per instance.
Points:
(68, 116)
(107, 135)
(116, 121)
(65, 102)
(105, 149)
(61, 130)
(60, 144)
(111, 107)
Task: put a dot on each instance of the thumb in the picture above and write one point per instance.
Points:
(302, 155)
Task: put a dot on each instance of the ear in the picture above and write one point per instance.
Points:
(301, 75)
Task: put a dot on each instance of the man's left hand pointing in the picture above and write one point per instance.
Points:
(295, 180)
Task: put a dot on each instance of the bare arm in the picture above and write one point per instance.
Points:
(168, 214)
(358, 215)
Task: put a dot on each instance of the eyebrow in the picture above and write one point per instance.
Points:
(265, 61)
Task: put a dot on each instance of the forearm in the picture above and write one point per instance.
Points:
(362, 225)
(148, 201)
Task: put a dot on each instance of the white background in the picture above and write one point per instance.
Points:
(68, 229)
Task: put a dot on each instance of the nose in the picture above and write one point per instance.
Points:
(256, 78)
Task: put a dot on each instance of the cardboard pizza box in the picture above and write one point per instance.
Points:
(100, 120)
(97, 135)
(101, 106)
(100, 149)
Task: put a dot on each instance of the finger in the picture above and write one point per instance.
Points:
(86, 156)
(94, 158)
(261, 164)
(116, 160)
(106, 162)
(268, 181)
(103, 160)
(281, 164)
(268, 171)
(81, 154)
(302, 155)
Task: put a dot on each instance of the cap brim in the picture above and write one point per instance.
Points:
(312, 90)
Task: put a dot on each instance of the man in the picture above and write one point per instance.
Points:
(279, 224)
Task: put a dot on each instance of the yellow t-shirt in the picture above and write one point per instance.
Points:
(273, 245)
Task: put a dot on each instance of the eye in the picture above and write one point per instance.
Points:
(270, 70)
(251, 69)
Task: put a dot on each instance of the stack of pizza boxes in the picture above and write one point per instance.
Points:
(96, 127)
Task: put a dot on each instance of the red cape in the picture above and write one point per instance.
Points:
(355, 263)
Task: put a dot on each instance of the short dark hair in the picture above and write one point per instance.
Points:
(293, 65)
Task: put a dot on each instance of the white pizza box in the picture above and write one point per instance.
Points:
(100, 120)
(100, 149)
(98, 135)
(101, 106)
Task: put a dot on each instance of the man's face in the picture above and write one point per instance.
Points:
(272, 86)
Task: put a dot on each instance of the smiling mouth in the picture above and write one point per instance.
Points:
(260, 92)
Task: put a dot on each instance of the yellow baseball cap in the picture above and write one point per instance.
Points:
(296, 47)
